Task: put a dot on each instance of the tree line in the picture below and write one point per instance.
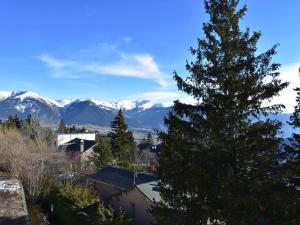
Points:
(30, 127)
(63, 128)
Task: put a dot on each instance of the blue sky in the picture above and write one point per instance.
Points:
(116, 49)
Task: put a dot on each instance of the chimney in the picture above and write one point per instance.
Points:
(81, 145)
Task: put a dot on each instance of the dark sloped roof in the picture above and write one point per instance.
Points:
(122, 178)
(74, 145)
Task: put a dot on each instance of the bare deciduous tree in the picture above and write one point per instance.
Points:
(29, 160)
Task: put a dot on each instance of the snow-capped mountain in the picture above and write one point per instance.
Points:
(25, 102)
(4, 95)
(64, 102)
(139, 114)
(123, 105)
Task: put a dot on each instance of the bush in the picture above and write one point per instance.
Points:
(76, 205)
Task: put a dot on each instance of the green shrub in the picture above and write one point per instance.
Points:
(76, 205)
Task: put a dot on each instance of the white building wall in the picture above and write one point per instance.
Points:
(66, 137)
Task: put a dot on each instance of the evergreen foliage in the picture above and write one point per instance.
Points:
(75, 205)
(122, 141)
(150, 139)
(292, 155)
(102, 154)
(218, 165)
(62, 127)
(294, 148)
(72, 129)
(13, 122)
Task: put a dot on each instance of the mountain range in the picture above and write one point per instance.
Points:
(140, 114)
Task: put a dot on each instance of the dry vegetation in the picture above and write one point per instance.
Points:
(27, 159)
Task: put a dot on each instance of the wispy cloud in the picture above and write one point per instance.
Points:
(139, 66)
(127, 39)
(142, 66)
(55, 63)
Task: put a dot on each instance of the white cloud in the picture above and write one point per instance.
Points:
(156, 96)
(141, 66)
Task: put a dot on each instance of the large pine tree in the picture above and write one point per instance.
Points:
(219, 162)
(122, 141)
(292, 154)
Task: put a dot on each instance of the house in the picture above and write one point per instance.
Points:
(78, 148)
(63, 138)
(130, 192)
(137, 202)
(77, 145)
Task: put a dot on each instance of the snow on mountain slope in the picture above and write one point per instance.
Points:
(22, 95)
(64, 102)
(144, 105)
(4, 95)
(125, 104)
(23, 103)
(104, 104)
